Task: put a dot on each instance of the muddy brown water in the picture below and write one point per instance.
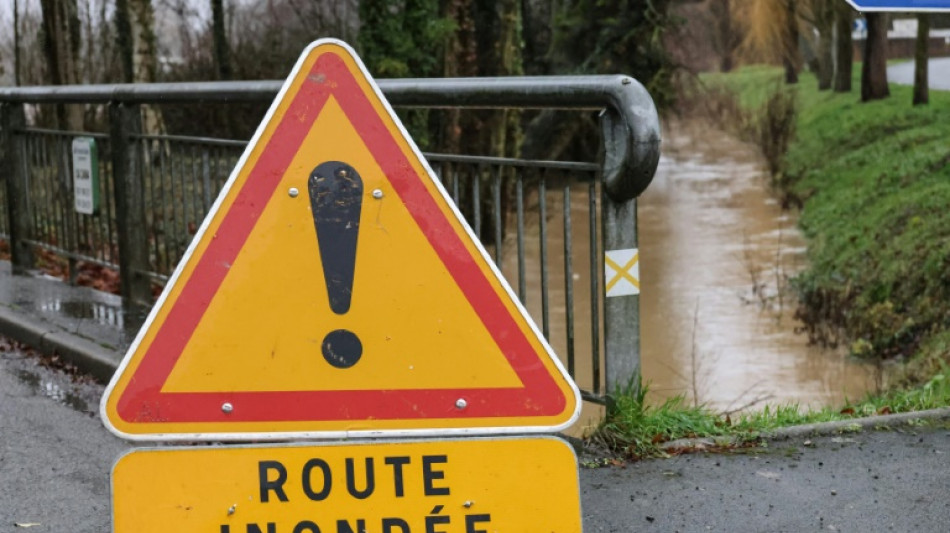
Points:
(716, 253)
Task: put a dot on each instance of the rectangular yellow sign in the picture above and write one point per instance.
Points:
(423, 486)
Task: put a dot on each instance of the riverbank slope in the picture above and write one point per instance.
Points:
(873, 183)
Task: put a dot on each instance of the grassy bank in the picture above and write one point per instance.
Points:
(636, 429)
(873, 180)
(873, 183)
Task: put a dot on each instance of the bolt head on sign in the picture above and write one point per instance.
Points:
(334, 290)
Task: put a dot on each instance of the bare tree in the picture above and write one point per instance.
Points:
(874, 69)
(823, 13)
(100, 61)
(135, 35)
(16, 42)
(844, 47)
(921, 58)
(726, 36)
(791, 58)
(61, 45)
(222, 54)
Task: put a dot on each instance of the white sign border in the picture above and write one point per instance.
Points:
(342, 434)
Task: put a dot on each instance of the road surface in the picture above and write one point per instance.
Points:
(55, 458)
(938, 73)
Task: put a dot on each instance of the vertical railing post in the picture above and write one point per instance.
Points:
(126, 123)
(621, 309)
(629, 164)
(621, 296)
(13, 164)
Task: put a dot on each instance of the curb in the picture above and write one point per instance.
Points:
(91, 358)
(856, 424)
(820, 429)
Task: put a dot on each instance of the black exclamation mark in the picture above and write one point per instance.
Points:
(336, 196)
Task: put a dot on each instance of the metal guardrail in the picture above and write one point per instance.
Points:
(156, 189)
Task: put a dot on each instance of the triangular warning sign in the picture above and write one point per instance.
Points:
(334, 290)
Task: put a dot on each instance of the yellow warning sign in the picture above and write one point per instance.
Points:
(398, 487)
(333, 289)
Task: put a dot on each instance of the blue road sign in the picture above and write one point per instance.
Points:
(900, 5)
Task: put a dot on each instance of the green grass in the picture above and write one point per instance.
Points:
(637, 429)
(874, 182)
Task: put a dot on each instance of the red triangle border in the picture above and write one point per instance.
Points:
(142, 401)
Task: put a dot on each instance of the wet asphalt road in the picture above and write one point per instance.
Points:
(938, 73)
(55, 454)
(55, 457)
(862, 482)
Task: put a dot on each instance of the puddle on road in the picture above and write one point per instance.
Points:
(104, 314)
(52, 390)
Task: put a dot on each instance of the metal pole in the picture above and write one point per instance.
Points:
(13, 163)
(621, 274)
(126, 121)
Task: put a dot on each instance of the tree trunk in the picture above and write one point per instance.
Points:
(135, 33)
(61, 44)
(790, 59)
(825, 22)
(459, 59)
(726, 36)
(498, 25)
(123, 37)
(16, 43)
(145, 57)
(507, 137)
(874, 70)
(844, 47)
(921, 58)
(222, 56)
(537, 16)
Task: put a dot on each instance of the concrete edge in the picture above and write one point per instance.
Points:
(856, 424)
(820, 429)
(96, 360)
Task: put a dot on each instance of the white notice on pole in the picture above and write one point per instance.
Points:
(85, 174)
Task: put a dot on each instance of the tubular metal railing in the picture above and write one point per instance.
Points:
(546, 224)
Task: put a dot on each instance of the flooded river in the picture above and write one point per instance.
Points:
(716, 253)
